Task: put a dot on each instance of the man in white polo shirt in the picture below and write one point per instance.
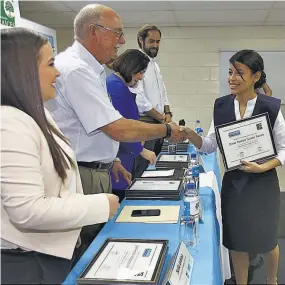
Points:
(152, 100)
(82, 108)
(108, 66)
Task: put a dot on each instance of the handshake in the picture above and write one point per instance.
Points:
(179, 133)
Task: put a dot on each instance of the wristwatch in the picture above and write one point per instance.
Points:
(168, 131)
(117, 159)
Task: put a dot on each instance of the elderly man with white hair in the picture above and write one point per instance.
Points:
(83, 110)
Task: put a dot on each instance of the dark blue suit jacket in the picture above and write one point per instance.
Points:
(125, 102)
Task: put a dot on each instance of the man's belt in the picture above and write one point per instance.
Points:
(95, 165)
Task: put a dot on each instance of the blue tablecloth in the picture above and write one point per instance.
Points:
(206, 269)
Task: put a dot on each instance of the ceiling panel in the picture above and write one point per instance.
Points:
(279, 4)
(219, 24)
(276, 15)
(220, 5)
(52, 19)
(77, 5)
(124, 5)
(139, 5)
(230, 16)
(164, 13)
(159, 17)
(42, 6)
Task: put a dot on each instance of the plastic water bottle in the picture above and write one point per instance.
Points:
(190, 220)
(198, 128)
(188, 174)
(172, 148)
(191, 200)
(200, 132)
(195, 169)
(195, 164)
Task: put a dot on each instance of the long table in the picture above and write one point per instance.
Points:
(207, 268)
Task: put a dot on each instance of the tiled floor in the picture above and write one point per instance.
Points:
(260, 276)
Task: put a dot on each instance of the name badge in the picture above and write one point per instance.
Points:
(180, 267)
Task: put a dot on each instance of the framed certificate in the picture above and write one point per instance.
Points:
(249, 139)
(126, 261)
(173, 158)
(155, 185)
(164, 173)
(180, 147)
(155, 189)
(176, 161)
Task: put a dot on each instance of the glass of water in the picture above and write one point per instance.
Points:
(188, 231)
(172, 148)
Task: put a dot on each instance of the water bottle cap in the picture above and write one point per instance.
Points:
(193, 155)
(197, 121)
(191, 185)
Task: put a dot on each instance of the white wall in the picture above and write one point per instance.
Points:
(45, 31)
(189, 61)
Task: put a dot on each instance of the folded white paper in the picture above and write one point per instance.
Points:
(170, 185)
(168, 215)
(158, 173)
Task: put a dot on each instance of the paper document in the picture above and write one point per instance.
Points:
(170, 185)
(174, 157)
(168, 215)
(158, 173)
(126, 261)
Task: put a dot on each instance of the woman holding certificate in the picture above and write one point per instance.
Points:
(42, 203)
(248, 126)
(129, 68)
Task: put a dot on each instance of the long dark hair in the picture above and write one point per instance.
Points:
(131, 62)
(253, 61)
(20, 86)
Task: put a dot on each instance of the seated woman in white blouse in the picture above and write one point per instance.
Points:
(250, 195)
(42, 203)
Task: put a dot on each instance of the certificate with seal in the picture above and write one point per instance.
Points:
(176, 161)
(174, 157)
(250, 139)
(126, 261)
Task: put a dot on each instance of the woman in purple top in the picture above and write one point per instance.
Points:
(129, 68)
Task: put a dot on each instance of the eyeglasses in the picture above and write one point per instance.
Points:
(119, 34)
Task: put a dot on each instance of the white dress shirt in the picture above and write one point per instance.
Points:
(108, 70)
(151, 91)
(209, 144)
(39, 211)
(82, 105)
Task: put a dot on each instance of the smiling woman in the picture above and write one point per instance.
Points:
(47, 72)
(246, 69)
(129, 69)
(31, 83)
(42, 203)
(250, 195)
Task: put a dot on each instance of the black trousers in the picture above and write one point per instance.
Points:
(20, 267)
